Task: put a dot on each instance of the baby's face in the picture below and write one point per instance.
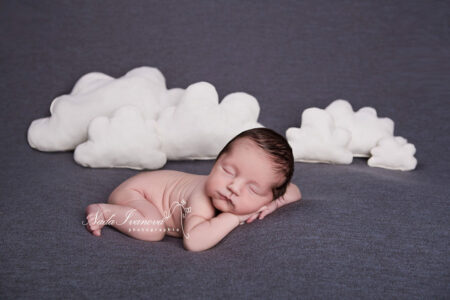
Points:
(241, 181)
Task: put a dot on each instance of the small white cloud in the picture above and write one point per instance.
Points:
(365, 127)
(125, 140)
(198, 127)
(97, 94)
(318, 140)
(336, 134)
(393, 153)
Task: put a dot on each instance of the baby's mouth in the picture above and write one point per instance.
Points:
(225, 198)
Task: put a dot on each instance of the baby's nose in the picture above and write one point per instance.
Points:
(235, 187)
(233, 190)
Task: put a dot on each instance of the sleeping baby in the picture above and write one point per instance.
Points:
(250, 179)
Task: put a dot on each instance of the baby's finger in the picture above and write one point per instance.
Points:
(255, 216)
(252, 218)
(263, 214)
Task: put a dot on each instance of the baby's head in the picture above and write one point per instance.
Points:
(254, 168)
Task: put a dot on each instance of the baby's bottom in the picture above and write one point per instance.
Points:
(129, 212)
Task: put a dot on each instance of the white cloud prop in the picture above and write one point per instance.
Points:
(97, 94)
(199, 127)
(135, 122)
(393, 153)
(318, 140)
(125, 140)
(365, 127)
(337, 134)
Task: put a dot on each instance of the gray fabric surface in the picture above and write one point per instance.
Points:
(360, 232)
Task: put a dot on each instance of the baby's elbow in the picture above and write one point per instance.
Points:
(187, 245)
(191, 245)
(193, 249)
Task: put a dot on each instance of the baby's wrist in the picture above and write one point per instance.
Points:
(239, 220)
(277, 202)
(235, 217)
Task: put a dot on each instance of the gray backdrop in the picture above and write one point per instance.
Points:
(360, 232)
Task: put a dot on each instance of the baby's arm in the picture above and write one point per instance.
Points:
(202, 234)
(292, 194)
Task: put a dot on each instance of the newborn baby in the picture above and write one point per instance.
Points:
(250, 178)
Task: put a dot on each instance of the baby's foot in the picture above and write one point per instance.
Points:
(95, 218)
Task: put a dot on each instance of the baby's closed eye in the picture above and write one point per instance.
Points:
(253, 189)
(227, 170)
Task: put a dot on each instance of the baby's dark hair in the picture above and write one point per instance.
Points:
(277, 147)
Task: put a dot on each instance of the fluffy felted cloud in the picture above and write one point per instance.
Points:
(198, 127)
(97, 94)
(337, 133)
(100, 116)
(365, 127)
(126, 140)
(393, 153)
(318, 140)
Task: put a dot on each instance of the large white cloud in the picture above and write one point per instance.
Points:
(96, 94)
(318, 140)
(135, 122)
(126, 140)
(197, 128)
(393, 153)
(364, 125)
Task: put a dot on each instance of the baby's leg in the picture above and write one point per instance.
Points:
(129, 212)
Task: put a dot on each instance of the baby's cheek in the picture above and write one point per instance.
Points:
(208, 187)
(259, 201)
(211, 185)
(248, 203)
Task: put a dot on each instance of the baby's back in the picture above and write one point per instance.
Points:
(166, 189)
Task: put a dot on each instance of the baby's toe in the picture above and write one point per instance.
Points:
(92, 227)
(89, 227)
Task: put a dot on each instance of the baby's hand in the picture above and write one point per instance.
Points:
(268, 209)
(243, 218)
